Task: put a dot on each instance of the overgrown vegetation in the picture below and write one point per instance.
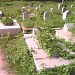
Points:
(51, 46)
(21, 60)
(18, 55)
(7, 21)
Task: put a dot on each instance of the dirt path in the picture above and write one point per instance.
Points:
(4, 69)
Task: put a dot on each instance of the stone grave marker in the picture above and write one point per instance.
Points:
(65, 14)
(46, 15)
(63, 9)
(68, 26)
(29, 6)
(51, 9)
(25, 15)
(41, 5)
(1, 14)
(59, 5)
(34, 31)
(36, 8)
(24, 9)
(71, 6)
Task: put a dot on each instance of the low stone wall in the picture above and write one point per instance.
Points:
(14, 29)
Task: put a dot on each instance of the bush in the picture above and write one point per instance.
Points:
(7, 21)
(28, 23)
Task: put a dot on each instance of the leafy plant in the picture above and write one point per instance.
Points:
(7, 21)
(28, 23)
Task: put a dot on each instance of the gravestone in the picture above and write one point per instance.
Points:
(68, 26)
(71, 6)
(51, 9)
(46, 15)
(24, 9)
(63, 9)
(29, 6)
(25, 15)
(59, 5)
(41, 5)
(1, 14)
(65, 14)
(36, 8)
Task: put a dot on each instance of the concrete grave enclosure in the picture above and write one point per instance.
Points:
(13, 30)
(65, 33)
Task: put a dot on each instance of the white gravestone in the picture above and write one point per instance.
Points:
(46, 14)
(63, 9)
(68, 26)
(29, 6)
(36, 8)
(71, 6)
(51, 9)
(59, 5)
(25, 15)
(1, 14)
(41, 5)
(65, 14)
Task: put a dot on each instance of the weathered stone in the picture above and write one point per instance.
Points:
(29, 6)
(59, 5)
(24, 9)
(1, 14)
(63, 9)
(13, 30)
(65, 14)
(68, 26)
(51, 9)
(41, 5)
(71, 6)
(46, 15)
(36, 8)
(25, 15)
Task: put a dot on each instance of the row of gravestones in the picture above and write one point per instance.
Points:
(26, 14)
(65, 12)
(25, 11)
(46, 14)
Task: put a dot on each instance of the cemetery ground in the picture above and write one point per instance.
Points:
(17, 53)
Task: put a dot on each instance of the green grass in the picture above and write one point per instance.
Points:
(18, 55)
(21, 61)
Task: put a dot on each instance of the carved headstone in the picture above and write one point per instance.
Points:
(1, 14)
(46, 14)
(51, 9)
(36, 8)
(25, 15)
(24, 9)
(59, 5)
(71, 6)
(65, 14)
(41, 5)
(63, 9)
(29, 6)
